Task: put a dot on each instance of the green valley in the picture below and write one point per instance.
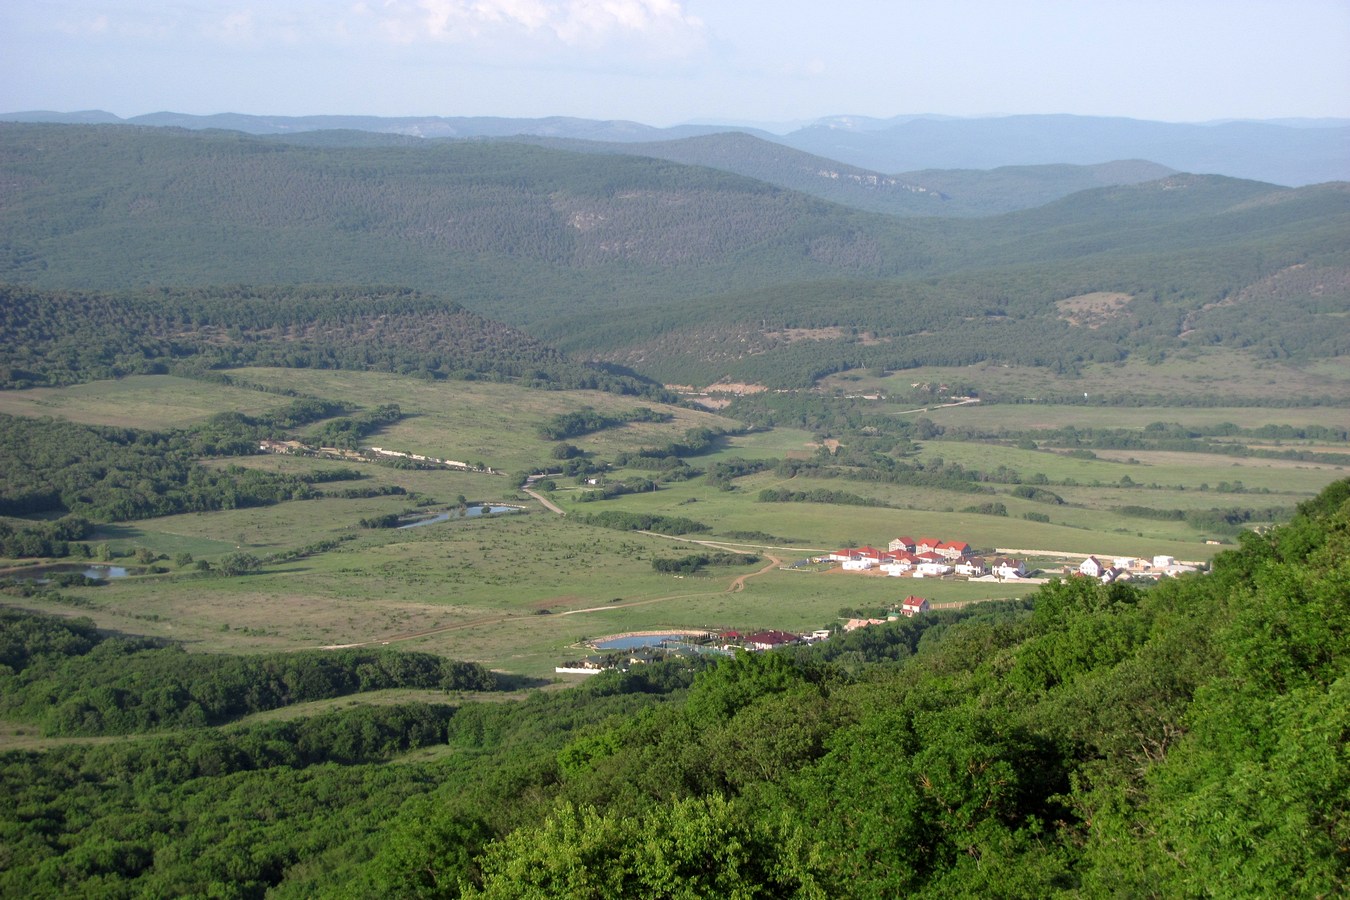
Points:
(319, 457)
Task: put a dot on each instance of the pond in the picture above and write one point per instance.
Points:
(105, 572)
(635, 641)
(43, 574)
(467, 513)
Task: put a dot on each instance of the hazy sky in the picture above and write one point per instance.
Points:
(667, 61)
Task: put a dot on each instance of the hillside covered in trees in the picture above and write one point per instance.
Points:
(683, 273)
(1188, 739)
(56, 337)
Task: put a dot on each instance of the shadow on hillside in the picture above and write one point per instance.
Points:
(509, 681)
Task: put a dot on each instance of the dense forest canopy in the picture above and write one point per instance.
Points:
(53, 338)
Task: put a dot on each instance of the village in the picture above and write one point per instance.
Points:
(904, 557)
(931, 558)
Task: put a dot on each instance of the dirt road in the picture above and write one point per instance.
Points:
(548, 504)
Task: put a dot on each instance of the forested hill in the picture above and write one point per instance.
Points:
(684, 273)
(52, 338)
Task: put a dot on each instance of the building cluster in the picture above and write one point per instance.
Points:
(927, 558)
(1128, 568)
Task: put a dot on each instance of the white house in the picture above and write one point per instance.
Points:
(1091, 567)
(912, 606)
(971, 567)
(1008, 568)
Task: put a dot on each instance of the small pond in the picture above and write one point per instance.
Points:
(42, 574)
(635, 641)
(467, 513)
(105, 572)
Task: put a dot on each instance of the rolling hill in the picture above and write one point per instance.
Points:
(684, 272)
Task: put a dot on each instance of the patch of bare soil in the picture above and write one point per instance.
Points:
(1093, 310)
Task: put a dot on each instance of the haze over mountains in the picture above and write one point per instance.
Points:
(1286, 152)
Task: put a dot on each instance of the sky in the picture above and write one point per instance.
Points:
(664, 62)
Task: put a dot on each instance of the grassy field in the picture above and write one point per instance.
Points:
(138, 401)
(1208, 373)
(521, 592)
(474, 421)
(1031, 416)
(1169, 469)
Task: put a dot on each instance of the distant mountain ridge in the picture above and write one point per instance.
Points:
(1287, 152)
(934, 192)
(1260, 151)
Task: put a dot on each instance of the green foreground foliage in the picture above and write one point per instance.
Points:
(1184, 740)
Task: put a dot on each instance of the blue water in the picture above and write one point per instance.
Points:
(43, 574)
(469, 512)
(105, 572)
(638, 640)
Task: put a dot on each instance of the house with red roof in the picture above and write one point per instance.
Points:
(913, 606)
(770, 640)
(904, 543)
(953, 550)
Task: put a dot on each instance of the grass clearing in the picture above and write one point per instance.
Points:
(139, 401)
(480, 421)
